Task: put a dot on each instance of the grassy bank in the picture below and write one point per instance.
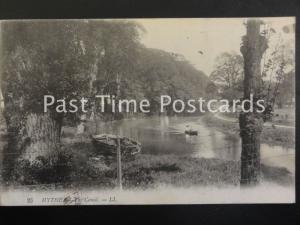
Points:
(79, 165)
(82, 167)
(270, 135)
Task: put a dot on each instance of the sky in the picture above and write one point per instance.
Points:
(212, 36)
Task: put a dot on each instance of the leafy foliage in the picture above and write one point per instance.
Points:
(228, 75)
(43, 58)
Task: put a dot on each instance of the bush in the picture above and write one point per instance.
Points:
(44, 170)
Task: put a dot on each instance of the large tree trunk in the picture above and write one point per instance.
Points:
(251, 128)
(43, 136)
(251, 123)
(29, 137)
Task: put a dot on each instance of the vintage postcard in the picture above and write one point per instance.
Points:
(147, 111)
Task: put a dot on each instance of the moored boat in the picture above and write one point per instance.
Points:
(107, 144)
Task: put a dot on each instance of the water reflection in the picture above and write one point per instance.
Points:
(165, 135)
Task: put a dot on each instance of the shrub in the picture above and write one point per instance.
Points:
(44, 170)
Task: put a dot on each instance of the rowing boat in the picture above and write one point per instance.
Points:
(107, 144)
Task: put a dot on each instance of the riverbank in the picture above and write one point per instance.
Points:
(270, 134)
(83, 168)
(79, 165)
(148, 172)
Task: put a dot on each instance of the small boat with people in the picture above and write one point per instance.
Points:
(107, 144)
(190, 131)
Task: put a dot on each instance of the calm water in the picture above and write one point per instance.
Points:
(165, 135)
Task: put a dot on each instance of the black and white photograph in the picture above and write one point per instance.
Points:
(147, 111)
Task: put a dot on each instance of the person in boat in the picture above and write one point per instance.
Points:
(188, 128)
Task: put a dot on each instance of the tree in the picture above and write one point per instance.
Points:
(286, 90)
(253, 46)
(228, 75)
(211, 90)
(40, 58)
(279, 74)
(228, 70)
(164, 73)
(116, 46)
